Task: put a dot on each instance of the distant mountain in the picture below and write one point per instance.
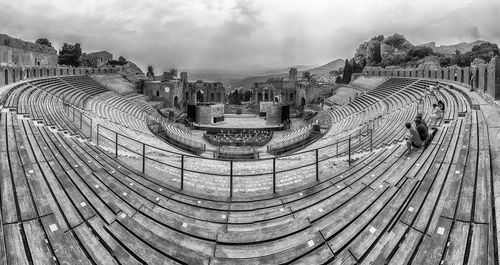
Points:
(327, 68)
(286, 69)
(322, 73)
(463, 47)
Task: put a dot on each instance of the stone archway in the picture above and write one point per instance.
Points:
(6, 75)
(200, 96)
(176, 102)
(302, 101)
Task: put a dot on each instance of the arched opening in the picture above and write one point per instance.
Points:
(461, 75)
(13, 75)
(157, 93)
(266, 96)
(74, 71)
(476, 77)
(212, 97)
(186, 98)
(176, 102)
(199, 96)
(27, 73)
(404, 73)
(485, 85)
(430, 74)
(442, 73)
(410, 73)
(302, 101)
(55, 72)
(6, 77)
(67, 71)
(48, 72)
(61, 72)
(259, 97)
(291, 98)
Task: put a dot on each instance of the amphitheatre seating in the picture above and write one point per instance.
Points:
(291, 140)
(85, 83)
(74, 202)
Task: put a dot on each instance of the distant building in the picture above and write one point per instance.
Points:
(289, 90)
(100, 58)
(177, 92)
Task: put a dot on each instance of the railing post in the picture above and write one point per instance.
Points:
(274, 175)
(371, 140)
(231, 180)
(337, 155)
(143, 158)
(182, 172)
(349, 158)
(116, 144)
(317, 165)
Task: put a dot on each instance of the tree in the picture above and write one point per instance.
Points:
(346, 76)
(87, 61)
(376, 53)
(122, 59)
(485, 51)
(150, 72)
(70, 54)
(307, 75)
(378, 38)
(234, 98)
(396, 40)
(420, 52)
(43, 41)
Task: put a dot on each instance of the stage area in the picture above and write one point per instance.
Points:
(242, 121)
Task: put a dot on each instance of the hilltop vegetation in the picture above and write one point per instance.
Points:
(396, 50)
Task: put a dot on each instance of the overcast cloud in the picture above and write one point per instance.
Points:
(244, 34)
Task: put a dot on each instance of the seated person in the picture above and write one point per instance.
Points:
(419, 116)
(436, 113)
(422, 130)
(412, 139)
(441, 105)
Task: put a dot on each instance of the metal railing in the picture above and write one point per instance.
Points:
(232, 178)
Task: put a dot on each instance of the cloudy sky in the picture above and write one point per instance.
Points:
(244, 34)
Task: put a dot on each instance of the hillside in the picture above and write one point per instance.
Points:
(396, 50)
(327, 68)
(116, 83)
(463, 47)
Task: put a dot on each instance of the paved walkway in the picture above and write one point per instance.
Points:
(491, 111)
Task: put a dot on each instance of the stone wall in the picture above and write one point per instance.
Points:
(486, 77)
(9, 75)
(13, 56)
(273, 114)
